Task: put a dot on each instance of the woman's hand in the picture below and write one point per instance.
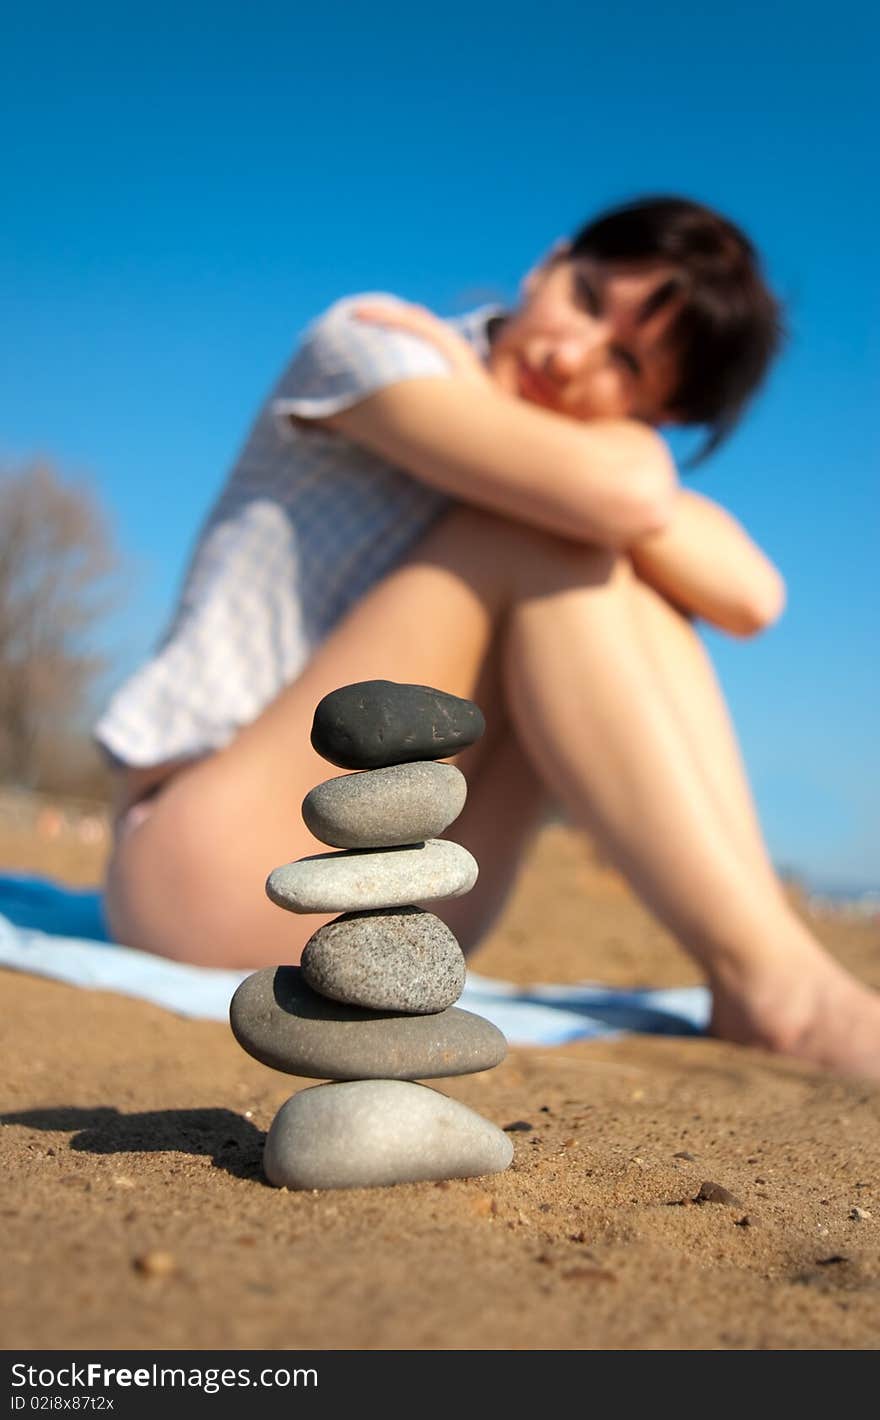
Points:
(418, 320)
(705, 563)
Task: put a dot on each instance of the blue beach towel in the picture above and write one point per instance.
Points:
(52, 930)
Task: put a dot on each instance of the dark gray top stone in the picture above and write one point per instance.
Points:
(379, 722)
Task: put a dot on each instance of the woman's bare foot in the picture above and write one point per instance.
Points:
(808, 1008)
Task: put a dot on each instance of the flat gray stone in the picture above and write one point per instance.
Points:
(357, 879)
(372, 1133)
(277, 1018)
(405, 803)
(398, 960)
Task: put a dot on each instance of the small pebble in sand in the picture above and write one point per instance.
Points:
(155, 1263)
(859, 1215)
(716, 1193)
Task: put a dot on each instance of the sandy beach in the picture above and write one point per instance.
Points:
(136, 1215)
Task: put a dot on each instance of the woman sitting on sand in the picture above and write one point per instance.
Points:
(485, 505)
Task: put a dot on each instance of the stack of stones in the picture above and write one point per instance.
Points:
(371, 1005)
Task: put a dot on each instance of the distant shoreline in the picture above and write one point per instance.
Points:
(861, 902)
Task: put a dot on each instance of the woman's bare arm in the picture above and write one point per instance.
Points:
(702, 559)
(704, 562)
(609, 481)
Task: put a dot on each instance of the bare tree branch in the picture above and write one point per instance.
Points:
(57, 564)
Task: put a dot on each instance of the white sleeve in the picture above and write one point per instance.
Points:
(341, 360)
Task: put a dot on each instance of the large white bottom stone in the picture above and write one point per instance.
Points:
(365, 1133)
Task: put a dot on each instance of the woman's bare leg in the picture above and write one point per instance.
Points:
(507, 803)
(686, 677)
(591, 711)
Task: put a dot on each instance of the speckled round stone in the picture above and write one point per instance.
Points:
(403, 960)
(277, 1018)
(359, 879)
(372, 1133)
(404, 803)
(379, 722)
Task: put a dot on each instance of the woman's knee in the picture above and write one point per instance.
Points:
(511, 559)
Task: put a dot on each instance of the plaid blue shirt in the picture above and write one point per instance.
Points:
(306, 523)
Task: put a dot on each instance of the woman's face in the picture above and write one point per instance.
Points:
(587, 344)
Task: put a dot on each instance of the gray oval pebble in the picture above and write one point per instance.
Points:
(277, 1018)
(371, 1133)
(357, 879)
(398, 960)
(405, 803)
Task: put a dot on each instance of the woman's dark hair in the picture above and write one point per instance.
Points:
(729, 326)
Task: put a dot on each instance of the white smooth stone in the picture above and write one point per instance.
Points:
(368, 1133)
(389, 877)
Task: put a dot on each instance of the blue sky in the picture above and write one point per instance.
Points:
(185, 189)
